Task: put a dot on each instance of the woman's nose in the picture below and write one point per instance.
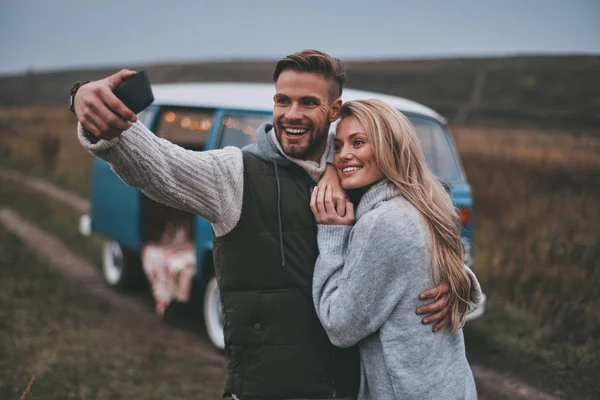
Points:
(345, 153)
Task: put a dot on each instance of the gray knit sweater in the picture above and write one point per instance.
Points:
(365, 289)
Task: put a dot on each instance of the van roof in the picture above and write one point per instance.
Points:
(259, 97)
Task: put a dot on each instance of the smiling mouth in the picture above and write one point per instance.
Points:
(350, 169)
(295, 131)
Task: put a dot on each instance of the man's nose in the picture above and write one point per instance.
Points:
(294, 112)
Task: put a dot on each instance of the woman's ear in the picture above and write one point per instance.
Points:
(335, 109)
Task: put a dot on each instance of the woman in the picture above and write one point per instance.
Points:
(370, 271)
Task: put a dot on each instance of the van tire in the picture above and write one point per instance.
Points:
(213, 315)
(121, 269)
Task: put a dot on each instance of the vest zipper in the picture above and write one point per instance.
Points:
(334, 393)
(279, 214)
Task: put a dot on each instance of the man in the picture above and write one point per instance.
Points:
(265, 235)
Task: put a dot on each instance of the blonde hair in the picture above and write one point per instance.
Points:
(398, 154)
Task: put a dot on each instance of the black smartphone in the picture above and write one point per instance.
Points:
(135, 92)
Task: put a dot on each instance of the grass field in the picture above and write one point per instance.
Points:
(42, 141)
(72, 347)
(51, 216)
(537, 199)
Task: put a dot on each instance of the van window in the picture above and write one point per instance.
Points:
(438, 149)
(239, 129)
(187, 127)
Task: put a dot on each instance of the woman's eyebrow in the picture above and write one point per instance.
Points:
(352, 135)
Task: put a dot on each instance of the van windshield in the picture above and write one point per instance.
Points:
(188, 127)
(238, 130)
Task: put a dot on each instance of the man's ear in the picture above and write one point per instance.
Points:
(335, 109)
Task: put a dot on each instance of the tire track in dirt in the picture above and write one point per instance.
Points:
(181, 344)
(69, 198)
(178, 343)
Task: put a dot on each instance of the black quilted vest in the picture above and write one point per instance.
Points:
(276, 346)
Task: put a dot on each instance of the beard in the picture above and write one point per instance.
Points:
(315, 137)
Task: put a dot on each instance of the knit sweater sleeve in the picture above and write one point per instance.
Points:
(476, 294)
(207, 183)
(357, 283)
(330, 149)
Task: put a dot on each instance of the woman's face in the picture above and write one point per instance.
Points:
(354, 157)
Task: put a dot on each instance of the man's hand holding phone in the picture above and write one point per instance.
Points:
(101, 112)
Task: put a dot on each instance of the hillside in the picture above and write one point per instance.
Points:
(552, 91)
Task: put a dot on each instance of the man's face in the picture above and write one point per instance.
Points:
(302, 113)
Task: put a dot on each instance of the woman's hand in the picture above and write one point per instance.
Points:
(323, 208)
(331, 178)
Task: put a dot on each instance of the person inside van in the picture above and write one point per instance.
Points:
(372, 265)
(265, 236)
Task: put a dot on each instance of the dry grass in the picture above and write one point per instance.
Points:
(43, 141)
(543, 149)
(537, 200)
(537, 203)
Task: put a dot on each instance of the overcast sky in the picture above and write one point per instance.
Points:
(60, 34)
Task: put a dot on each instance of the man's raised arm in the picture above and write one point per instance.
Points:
(209, 184)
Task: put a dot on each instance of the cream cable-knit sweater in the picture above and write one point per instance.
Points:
(205, 183)
(208, 184)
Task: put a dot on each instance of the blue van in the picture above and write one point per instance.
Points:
(206, 116)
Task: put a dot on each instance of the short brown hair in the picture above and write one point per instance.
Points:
(333, 69)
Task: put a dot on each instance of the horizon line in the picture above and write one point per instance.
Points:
(217, 60)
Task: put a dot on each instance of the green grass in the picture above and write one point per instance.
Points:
(72, 345)
(507, 339)
(79, 184)
(51, 216)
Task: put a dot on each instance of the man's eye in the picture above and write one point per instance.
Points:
(281, 101)
(310, 103)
